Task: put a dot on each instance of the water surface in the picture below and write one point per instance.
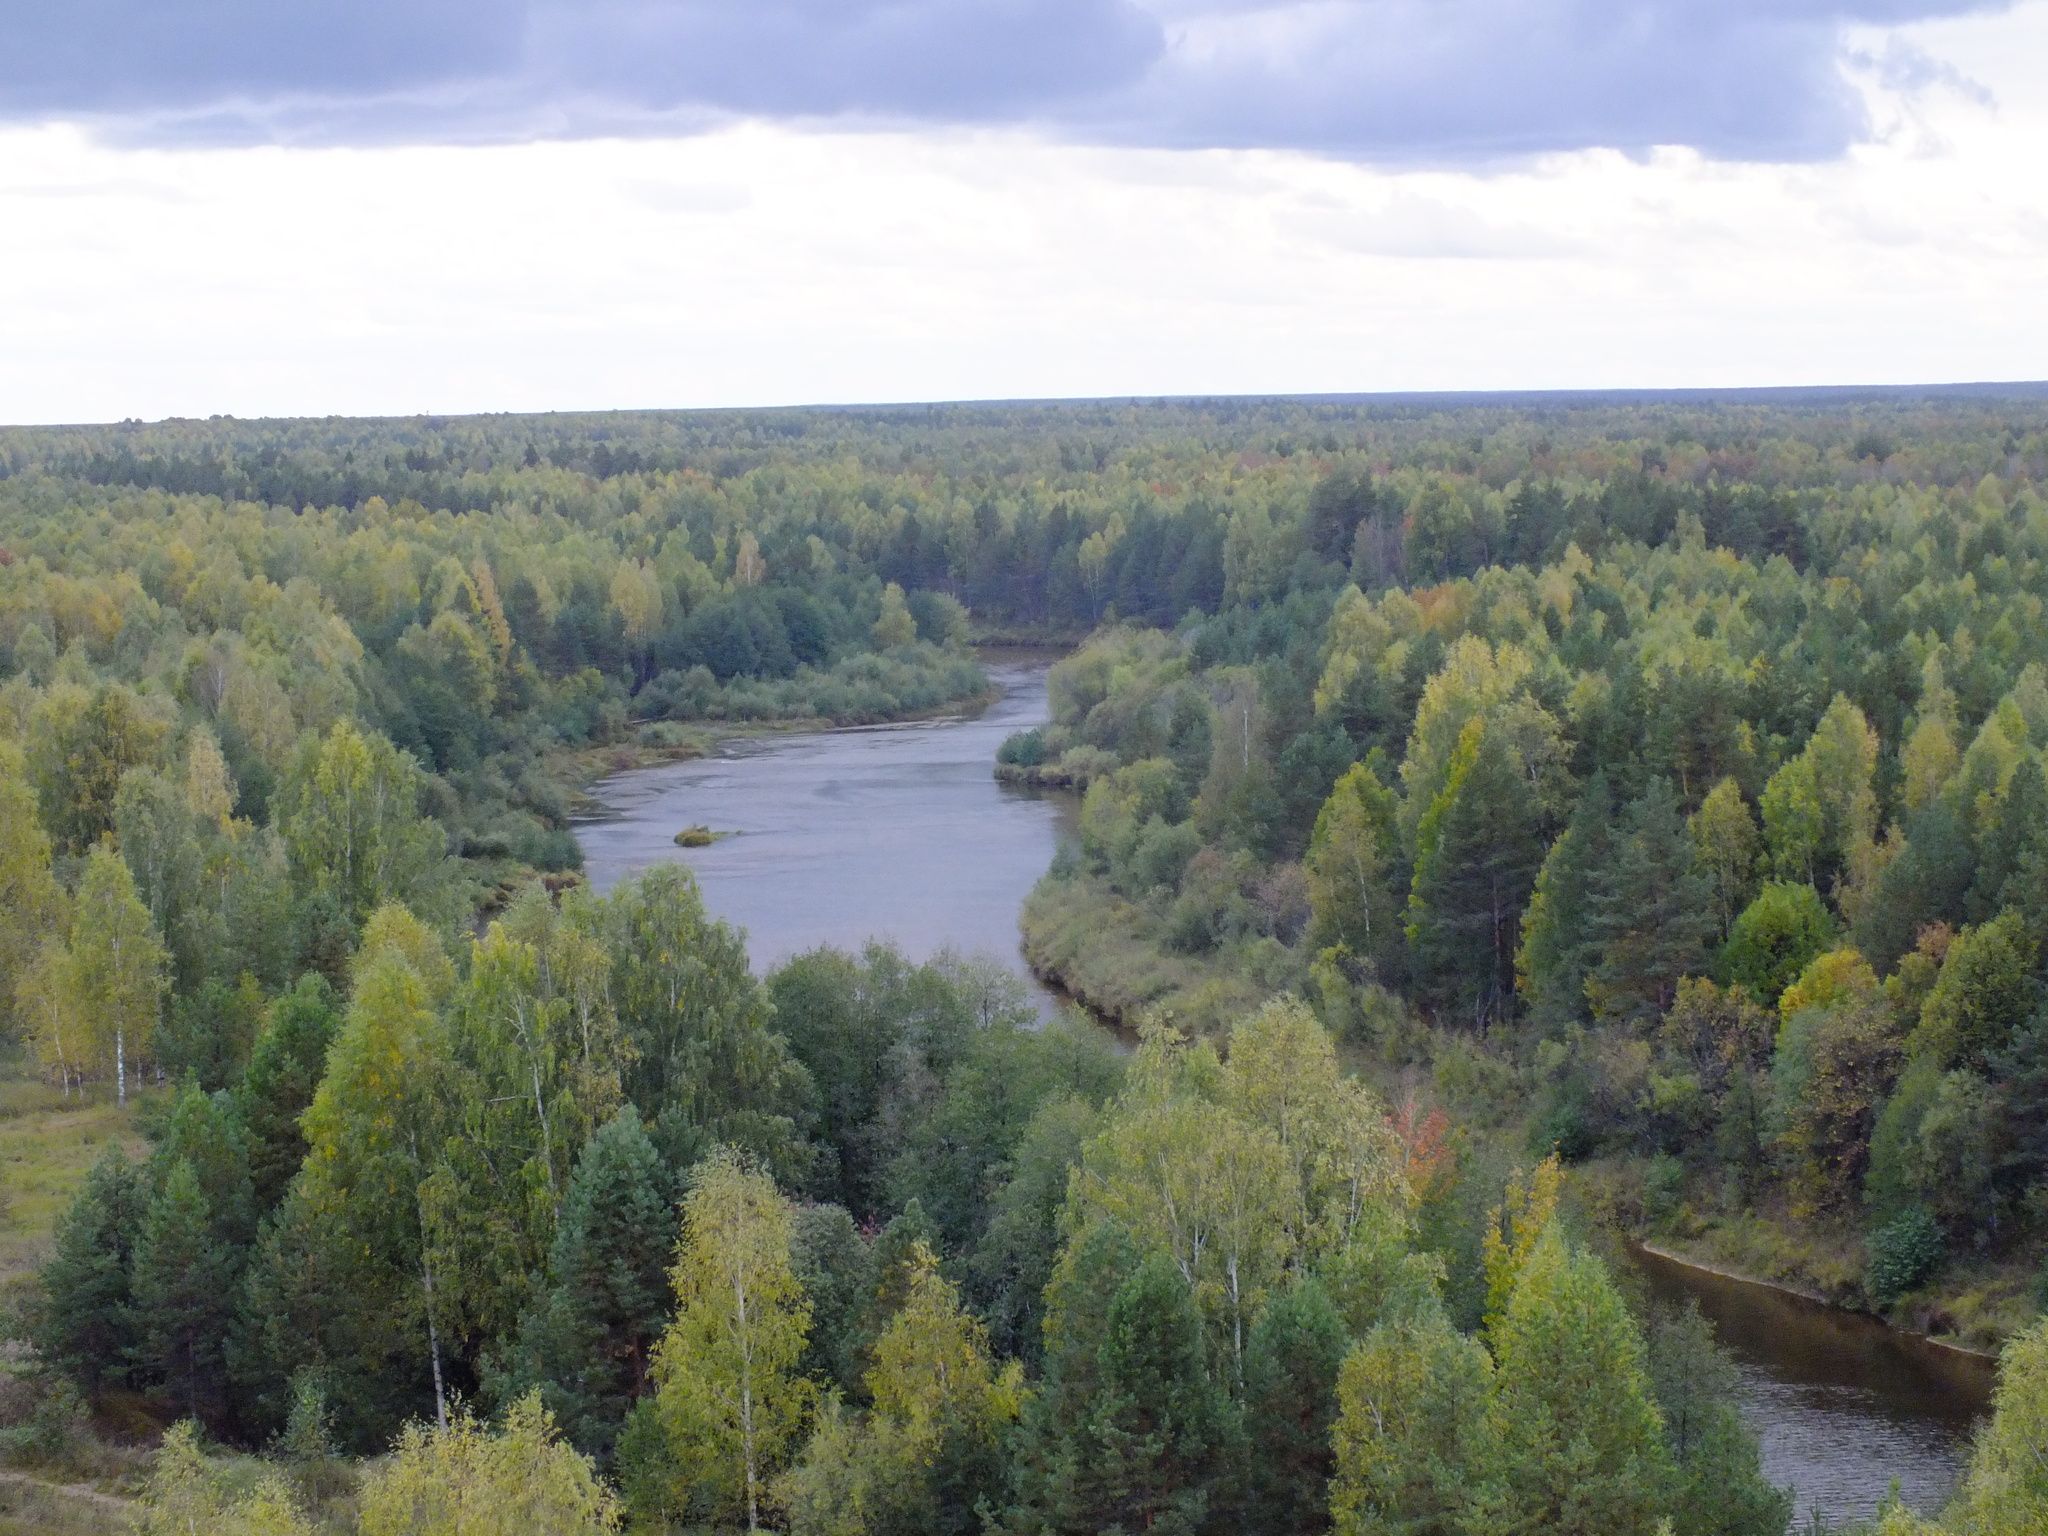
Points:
(890, 832)
(1841, 1403)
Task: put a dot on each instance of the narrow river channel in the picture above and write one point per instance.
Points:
(901, 833)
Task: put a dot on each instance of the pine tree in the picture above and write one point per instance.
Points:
(588, 1346)
(1581, 1444)
(1654, 910)
(1053, 1475)
(1159, 1424)
(284, 1072)
(184, 1296)
(1292, 1361)
(2002, 852)
(87, 1327)
(1561, 932)
(1476, 861)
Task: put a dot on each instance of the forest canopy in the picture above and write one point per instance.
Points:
(1503, 822)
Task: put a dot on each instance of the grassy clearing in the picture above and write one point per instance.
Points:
(47, 1144)
(27, 1504)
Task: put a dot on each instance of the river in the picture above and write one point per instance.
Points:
(901, 833)
(1840, 1403)
(893, 832)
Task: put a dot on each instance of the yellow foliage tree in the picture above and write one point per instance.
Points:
(462, 1480)
(730, 1400)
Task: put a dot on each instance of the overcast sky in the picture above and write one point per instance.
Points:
(387, 206)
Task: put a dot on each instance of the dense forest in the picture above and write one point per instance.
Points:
(1507, 827)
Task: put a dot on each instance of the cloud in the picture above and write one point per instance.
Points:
(1453, 80)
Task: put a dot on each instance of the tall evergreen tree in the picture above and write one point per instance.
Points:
(1292, 1360)
(1477, 855)
(588, 1346)
(284, 1072)
(2020, 830)
(87, 1327)
(1053, 1475)
(1561, 930)
(1654, 910)
(184, 1297)
(1581, 1449)
(1160, 1424)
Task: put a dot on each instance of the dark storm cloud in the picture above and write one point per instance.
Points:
(1374, 78)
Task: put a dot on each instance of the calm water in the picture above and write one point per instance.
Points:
(901, 833)
(895, 832)
(1841, 1403)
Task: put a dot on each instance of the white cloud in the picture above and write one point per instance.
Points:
(765, 264)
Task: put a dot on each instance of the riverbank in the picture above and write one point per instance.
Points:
(1109, 955)
(1973, 1305)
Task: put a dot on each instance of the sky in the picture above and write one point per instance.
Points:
(398, 206)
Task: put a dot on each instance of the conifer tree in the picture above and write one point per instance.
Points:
(284, 1072)
(588, 1346)
(1581, 1450)
(2021, 827)
(1054, 1477)
(184, 1296)
(1159, 1425)
(1292, 1361)
(1561, 931)
(87, 1327)
(1477, 855)
(1653, 909)
(1721, 1487)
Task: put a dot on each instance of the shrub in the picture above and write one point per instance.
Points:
(1903, 1254)
(1023, 749)
(1663, 1184)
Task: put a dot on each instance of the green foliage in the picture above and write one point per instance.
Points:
(588, 1344)
(460, 1479)
(1776, 937)
(2006, 1490)
(185, 1494)
(1292, 1360)
(1581, 1448)
(1904, 1254)
(729, 1403)
(284, 1070)
(1720, 1483)
(1985, 993)
(1477, 856)
(87, 1326)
